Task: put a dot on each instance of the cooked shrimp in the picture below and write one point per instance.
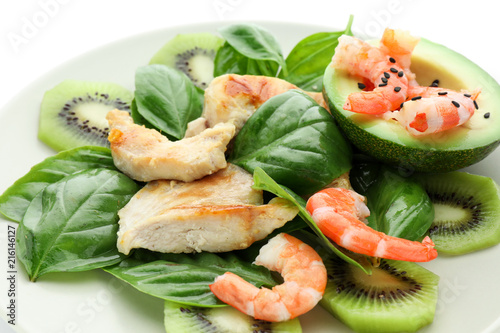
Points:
(304, 276)
(399, 45)
(362, 59)
(432, 109)
(337, 213)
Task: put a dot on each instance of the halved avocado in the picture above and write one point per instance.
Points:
(449, 150)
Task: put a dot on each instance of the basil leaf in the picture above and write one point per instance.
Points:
(262, 181)
(230, 61)
(71, 225)
(307, 61)
(254, 42)
(295, 141)
(399, 206)
(167, 99)
(16, 199)
(184, 278)
(137, 117)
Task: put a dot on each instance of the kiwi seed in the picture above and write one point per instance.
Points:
(180, 318)
(82, 124)
(73, 113)
(467, 211)
(193, 54)
(472, 210)
(398, 296)
(184, 63)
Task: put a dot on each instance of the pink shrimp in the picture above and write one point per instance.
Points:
(338, 211)
(362, 59)
(399, 45)
(432, 109)
(304, 276)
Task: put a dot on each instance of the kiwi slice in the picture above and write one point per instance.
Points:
(73, 113)
(180, 318)
(193, 54)
(467, 211)
(398, 296)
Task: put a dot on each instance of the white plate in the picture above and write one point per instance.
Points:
(96, 302)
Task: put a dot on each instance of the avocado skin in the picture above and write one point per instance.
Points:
(407, 158)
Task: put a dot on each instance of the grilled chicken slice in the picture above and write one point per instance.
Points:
(217, 213)
(234, 98)
(144, 154)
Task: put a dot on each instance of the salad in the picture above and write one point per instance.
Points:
(311, 84)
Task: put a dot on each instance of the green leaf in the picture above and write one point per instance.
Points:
(230, 61)
(184, 278)
(71, 225)
(295, 141)
(307, 61)
(16, 199)
(399, 206)
(254, 42)
(262, 181)
(137, 117)
(167, 99)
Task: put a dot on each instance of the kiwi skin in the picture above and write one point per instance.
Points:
(398, 296)
(467, 211)
(73, 113)
(181, 318)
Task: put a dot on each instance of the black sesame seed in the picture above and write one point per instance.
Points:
(382, 85)
(387, 75)
(361, 85)
(487, 115)
(475, 105)
(455, 103)
(391, 59)
(397, 89)
(442, 93)
(401, 73)
(416, 98)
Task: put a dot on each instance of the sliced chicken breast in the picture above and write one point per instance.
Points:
(144, 154)
(234, 98)
(217, 213)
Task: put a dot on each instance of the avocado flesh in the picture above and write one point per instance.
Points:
(449, 150)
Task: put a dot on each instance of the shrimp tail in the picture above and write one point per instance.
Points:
(334, 212)
(403, 249)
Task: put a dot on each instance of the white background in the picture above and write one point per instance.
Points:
(38, 35)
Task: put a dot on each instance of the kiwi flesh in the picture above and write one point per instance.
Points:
(398, 296)
(73, 113)
(181, 318)
(193, 54)
(467, 211)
